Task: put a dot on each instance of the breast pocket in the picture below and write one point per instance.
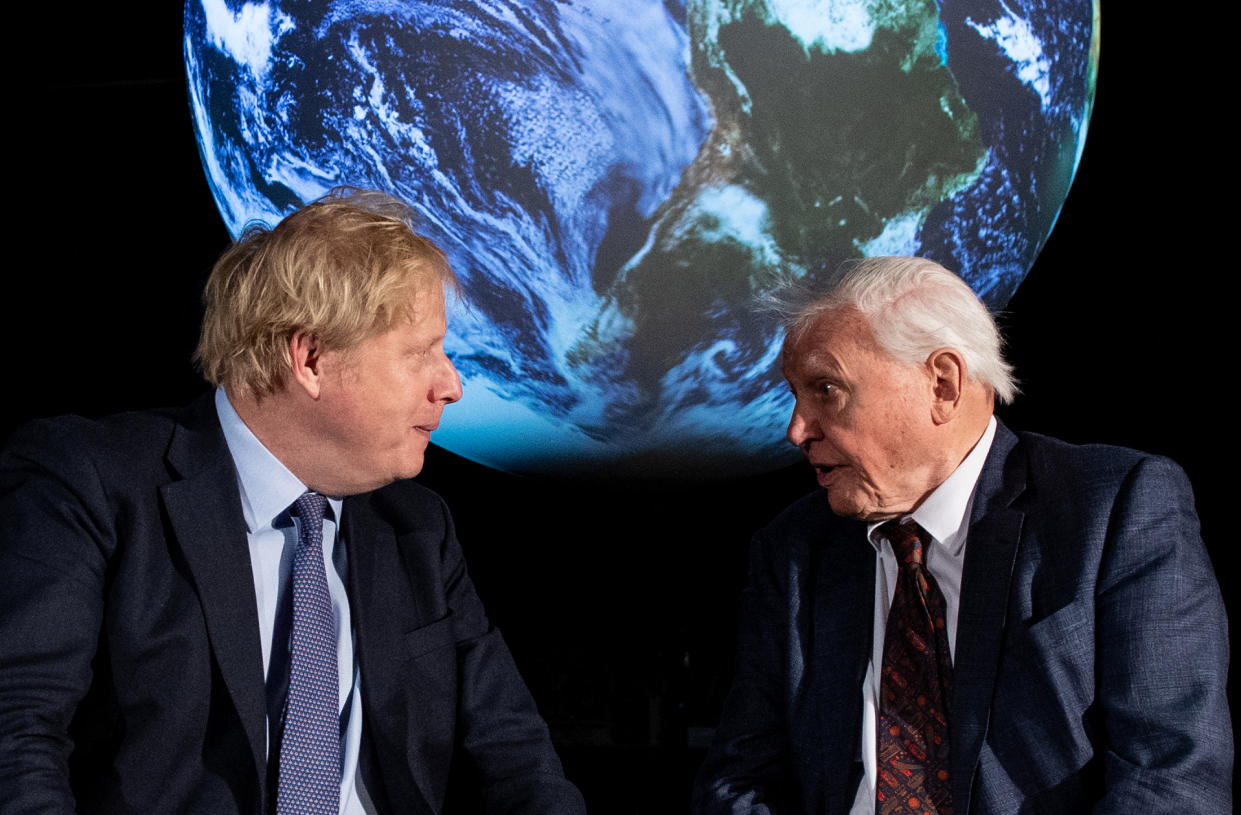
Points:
(1059, 650)
(430, 638)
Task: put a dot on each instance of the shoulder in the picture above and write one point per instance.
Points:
(407, 506)
(806, 516)
(1084, 495)
(124, 448)
(106, 433)
(1049, 451)
(74, 488)
(807, 524)
(1095, 470)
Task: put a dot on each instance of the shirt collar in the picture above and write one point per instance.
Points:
(945, 512)
(267, 487)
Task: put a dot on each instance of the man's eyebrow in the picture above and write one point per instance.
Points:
(821, 360)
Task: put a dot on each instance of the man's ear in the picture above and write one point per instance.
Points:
(305, 358)
(946, 367)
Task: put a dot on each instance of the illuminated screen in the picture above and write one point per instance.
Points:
(618, 183)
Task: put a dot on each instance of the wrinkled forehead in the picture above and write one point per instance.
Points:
(826, 338)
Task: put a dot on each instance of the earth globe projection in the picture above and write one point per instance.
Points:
(617, 184)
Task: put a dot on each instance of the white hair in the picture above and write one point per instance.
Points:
(913, 306)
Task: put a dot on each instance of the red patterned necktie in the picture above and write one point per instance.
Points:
(914, 686)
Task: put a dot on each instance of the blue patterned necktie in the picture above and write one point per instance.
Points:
(913, 691)
(310, 749)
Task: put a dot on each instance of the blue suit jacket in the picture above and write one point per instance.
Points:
(131, 677)
(1091, 651)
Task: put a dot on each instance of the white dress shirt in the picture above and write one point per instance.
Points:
(945, 515)
(268, 489)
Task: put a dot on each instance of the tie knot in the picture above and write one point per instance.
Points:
(310, 507)
(907, 539)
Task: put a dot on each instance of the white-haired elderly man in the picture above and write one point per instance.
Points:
(964, 619)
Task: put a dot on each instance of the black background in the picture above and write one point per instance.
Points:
(617, 598)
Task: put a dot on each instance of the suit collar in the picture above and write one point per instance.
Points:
(267, 487)
(1003, 476)
(204, 510)
(994, 533)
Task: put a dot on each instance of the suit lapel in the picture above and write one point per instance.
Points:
(829, 702)
(384, 609)
(991, 549)
(204, 509)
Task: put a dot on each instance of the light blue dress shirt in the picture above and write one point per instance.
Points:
(268, 489)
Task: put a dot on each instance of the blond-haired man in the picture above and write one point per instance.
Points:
(244, 605)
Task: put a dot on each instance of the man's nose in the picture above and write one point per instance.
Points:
(448, 384)
(802, 429)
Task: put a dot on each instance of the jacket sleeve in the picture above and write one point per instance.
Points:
(54, 546)
(1162, 667)
(746, 771)
(499, 730)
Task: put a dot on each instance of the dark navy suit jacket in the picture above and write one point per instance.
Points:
(131, 678)
(1091, 650)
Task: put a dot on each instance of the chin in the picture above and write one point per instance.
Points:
(849, 504)
(409, 463)
(846, 505)
(415, 463)
(411, 469)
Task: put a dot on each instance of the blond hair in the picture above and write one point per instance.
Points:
(344, 268)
